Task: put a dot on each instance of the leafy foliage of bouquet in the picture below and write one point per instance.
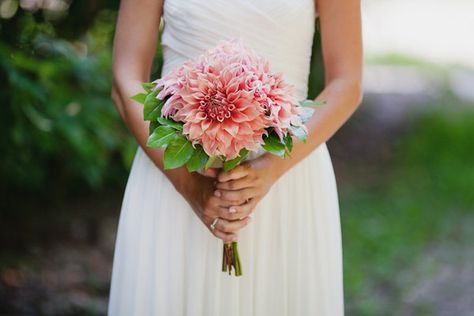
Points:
(221, 106)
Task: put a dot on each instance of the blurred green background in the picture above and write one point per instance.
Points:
(403, 165)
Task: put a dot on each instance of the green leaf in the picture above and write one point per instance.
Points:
(274, 145)
(140, 97)
(288, 139)
(198, 159)
(229, 164)
(170, 123)
(161, 136)
(152, 107)
(311, 103)
(299, 133)
(153, 125)
(177, 153)
(148, 86)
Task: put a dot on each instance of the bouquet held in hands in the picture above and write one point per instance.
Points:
(220, 107)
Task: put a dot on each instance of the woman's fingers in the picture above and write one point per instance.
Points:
(244, 210)
(236, 173)
(209, 219)
(237, 197)
(222, 203)
(242, 183)
(229, 224)
(225, 229)
(226, 237)
(232, 211)
(216, 207)
(226, 226)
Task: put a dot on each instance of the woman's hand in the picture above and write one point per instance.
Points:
(198, 190)
(245, 185)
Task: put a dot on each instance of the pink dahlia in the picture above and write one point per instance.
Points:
(227, 99)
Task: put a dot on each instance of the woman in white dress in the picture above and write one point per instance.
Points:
(167, 257)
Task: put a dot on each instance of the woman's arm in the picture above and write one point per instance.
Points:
(341, 41)
(134, 48)
(342, 53)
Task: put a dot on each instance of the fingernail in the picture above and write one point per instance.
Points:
(217, 193)
(232, 209)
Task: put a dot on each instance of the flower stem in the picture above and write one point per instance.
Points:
(237, 264)
(231, 258)
(210, 162)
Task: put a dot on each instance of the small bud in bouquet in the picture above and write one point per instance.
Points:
(216, 109)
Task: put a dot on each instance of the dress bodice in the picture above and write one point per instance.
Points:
(279, 30)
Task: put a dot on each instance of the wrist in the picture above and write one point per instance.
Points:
(180, 178)
(274, 163)
(280, 166)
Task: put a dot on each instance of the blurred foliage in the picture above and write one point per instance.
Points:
(440, 158)
(423, 197)
(316, 75)
(61, 132)
(60, 129)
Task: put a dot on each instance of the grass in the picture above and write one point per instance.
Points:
(419, 199)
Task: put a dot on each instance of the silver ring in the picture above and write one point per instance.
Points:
(213, 225)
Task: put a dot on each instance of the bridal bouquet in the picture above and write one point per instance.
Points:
(218, 108)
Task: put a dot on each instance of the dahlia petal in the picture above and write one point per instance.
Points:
(239, 117)
(195, 131)
(231, 127)
(205, 123)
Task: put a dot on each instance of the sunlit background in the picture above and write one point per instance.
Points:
(404, 162)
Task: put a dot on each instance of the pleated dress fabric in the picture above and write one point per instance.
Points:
(166, 261)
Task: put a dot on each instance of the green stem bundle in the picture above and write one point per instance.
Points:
(231, 258)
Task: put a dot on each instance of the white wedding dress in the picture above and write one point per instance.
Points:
(167, 262)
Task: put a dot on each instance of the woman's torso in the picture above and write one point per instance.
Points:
(280, 30)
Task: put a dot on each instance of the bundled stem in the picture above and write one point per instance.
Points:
(231, 258)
